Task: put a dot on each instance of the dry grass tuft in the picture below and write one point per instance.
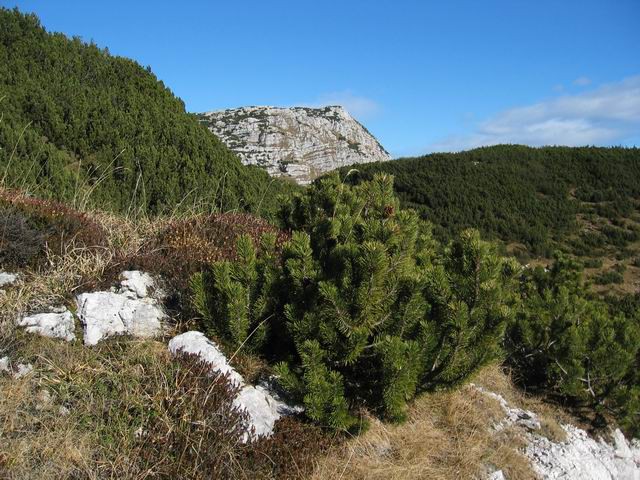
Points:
(448, 435)
(126, 409)
(497, 379)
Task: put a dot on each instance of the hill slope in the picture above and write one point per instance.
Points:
(299, 142)
(79, 123)
(584, 201)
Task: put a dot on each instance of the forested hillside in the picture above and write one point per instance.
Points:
(583, 201)
(77, 123)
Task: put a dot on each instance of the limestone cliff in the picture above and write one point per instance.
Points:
(299, 142)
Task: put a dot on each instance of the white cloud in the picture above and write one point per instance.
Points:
(358, 106)
(606, 115)
(582, 81)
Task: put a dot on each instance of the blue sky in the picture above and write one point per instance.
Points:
(421, 75)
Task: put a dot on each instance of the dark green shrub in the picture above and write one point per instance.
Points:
(187, 246)
(235, 298)
(564, 342)
(625, 253)
(608, 277)
(366, 308)
(592, 263)
(81, 125)
(619, 236)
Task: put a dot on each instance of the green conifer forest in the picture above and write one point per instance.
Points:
(81, 125)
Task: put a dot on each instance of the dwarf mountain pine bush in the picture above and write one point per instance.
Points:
(563, 341)
(236, 298)
(365, 307)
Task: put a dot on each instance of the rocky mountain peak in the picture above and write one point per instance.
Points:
(297, 142)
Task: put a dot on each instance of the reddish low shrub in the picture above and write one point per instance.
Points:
(20, 243)
(291, 453)
(30, 225)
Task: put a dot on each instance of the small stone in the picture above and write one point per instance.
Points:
(4, 365)
(22, 370)
(497, 475)
(7, 278)
(136, 282)
(52, 325)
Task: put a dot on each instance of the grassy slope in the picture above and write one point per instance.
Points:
(584, 201)
(82, 125)
(81, 411)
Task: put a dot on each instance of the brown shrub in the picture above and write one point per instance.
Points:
(47, 225)
(20, 243)
(134, 412)
(291, 453)
(205, 239)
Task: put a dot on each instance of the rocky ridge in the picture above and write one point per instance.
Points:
(301, 143)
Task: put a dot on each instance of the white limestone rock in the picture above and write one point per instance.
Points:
(196, 343)
(124, 311)
(579, 457)
(7, 279)
(262, 407)
(52, 325)
(497, 475)
(523, 418)
(300, 143)
(4, 365)
(20, 370)
(136, 282)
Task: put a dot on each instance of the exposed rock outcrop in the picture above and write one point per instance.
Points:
(128, 310)
(579, 457)
(262, 407)
(299, 142)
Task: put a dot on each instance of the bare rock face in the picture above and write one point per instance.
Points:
(299, 142)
